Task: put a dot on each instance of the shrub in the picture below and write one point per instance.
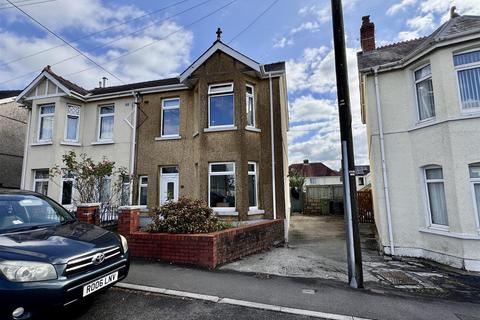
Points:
(185, 216)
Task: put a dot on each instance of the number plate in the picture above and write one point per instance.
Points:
(99, 283)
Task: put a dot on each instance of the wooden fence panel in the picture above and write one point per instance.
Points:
(365, 207)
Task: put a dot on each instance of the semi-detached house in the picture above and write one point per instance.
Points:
(421, 104)
(216, 132)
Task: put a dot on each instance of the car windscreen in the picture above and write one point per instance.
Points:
(24, 212)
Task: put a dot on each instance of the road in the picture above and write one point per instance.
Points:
(121, 304)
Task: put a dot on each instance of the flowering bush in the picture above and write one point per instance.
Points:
(185, 216)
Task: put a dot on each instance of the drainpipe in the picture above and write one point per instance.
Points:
(133, 144)
(274, 198)
(384, 165)
(25, 150)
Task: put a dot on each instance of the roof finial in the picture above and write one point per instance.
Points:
(219, 34)
(453, 14)
(47, 68)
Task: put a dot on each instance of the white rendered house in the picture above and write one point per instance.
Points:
(421, 104)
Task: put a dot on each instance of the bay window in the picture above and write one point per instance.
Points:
(222, 186)
(221, 111)
(40, 181)
(72, 123)
(67, 188)
(424, 93)
(105, 122)
(45, 123)
(467, 66)
(437, 205)
(474, 170)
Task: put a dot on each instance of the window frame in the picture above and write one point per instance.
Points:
(462, 68)
(77, 131)
(251, 95)
(62, 180)
(427, 198)
(41, 116)
(140, 186)
(473, 182)
(222, 93)
(222, 173)
(35, 179)
(100, 116)
(161, 118)
(415, 82)
(253, 173)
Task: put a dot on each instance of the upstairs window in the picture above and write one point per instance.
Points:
(72, 123)
(467, 66)
(105, 123)
(475, 181)
(437, 205)
(250, 94)
(424, 92)
(170, 118)
(220, 106)
(45, 123)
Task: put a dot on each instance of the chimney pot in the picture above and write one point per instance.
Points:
(367, 34)
(305, 161)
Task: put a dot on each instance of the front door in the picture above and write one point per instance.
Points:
(168, 185)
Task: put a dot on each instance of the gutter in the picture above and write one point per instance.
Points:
(384, 165)
(133, 143)
(25, 150)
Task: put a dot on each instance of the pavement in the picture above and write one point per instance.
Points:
(120, 304)
(317, 249)
(321, 295)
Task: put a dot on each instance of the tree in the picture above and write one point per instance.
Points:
(94, 182)
(296, 183)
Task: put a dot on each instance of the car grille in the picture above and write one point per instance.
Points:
(86, 262)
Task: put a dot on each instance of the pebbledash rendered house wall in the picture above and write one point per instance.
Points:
(450, 140)
(197, 147)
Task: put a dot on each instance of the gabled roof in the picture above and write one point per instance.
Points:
(401, 52)
(314, 169)
(135, 86)
(68, 84)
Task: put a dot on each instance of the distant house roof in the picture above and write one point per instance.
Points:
(362, 170)
(4, 94)
(315, 169)
(401, 51)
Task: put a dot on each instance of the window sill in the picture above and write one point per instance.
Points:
(425, 122)
(446, 233)
(96, 143)
(41, 143)
(253, 129)
(252, 212)
(168, 138)
(225, 212)
(196, 134)
(215, 129)
(70, 143)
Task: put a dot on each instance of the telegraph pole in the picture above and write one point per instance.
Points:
(354, 254)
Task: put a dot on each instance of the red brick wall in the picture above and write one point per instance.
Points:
(203, 250)
(87, 214)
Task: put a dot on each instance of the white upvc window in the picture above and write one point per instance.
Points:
(106, 119)
(170, 118)
(250, 97)
(221, 110)
(46, 116)
(252, 186)
(424, 93)
(474, 170)
(467, 66)
(436, 202)
(142, 190)
(125, 192)
(40, 181)
(72, 123)
(66, 195)
(221, 195)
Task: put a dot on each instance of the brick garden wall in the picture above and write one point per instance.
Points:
(203, 250)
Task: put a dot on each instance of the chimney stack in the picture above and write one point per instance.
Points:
(367, 34)
(305, 161)
(104, 81)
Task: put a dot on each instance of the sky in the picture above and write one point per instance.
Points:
(145, 40)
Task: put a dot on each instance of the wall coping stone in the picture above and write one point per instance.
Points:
(131, 207)
(88, 205)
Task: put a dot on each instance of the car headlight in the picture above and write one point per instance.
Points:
(27, 271)
(124, 243)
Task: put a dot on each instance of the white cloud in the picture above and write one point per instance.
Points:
(401, 6)
(142, 65)
(308, 108)
(283, 42)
